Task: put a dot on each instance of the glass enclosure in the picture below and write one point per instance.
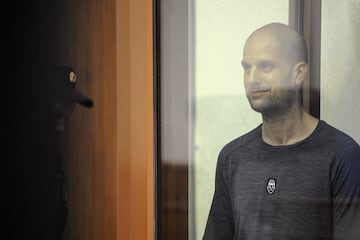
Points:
(202, 103)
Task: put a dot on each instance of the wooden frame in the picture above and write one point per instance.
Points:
(110, 148)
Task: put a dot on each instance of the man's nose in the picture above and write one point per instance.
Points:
(252, 75)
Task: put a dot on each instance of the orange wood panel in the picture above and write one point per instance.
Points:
(123, 115)
(141, 119)
(135, 120)
(109, 163)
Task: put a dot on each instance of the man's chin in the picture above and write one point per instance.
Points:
(260, 108)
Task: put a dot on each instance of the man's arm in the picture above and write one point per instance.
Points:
(220, 224)
(346, 198)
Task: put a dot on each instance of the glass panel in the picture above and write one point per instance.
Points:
(174, 121)
(222, 111)
(203, 104)
(340, 71)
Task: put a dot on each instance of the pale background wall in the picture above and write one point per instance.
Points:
(222, 112)
(340, 65)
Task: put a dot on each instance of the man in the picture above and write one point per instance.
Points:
(294, 176)
(37, 203)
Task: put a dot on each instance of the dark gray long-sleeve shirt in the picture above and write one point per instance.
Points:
(308, 190)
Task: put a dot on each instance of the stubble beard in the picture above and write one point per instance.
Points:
(273, 106)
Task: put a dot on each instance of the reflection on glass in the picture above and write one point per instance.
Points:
(203, 104)
(222, 111)
(174, 126)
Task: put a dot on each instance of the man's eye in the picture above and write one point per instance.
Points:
(266, 67)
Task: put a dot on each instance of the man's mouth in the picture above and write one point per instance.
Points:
(259, 91)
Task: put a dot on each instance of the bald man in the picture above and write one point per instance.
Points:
(294, 176)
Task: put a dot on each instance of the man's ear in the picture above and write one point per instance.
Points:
(300, 72)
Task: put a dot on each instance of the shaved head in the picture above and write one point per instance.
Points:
(275, 68)
(292, 44)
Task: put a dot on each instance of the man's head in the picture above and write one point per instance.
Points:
(275, 67)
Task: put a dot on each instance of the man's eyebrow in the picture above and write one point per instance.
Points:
(265, 61)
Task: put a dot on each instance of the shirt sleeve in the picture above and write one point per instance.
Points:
(346, 197)
(220, 224)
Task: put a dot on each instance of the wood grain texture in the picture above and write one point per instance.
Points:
(110, 147)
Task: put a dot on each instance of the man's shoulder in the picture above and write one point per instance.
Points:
(340, 138)
(243, 142)
(346, 160)
(344, 148)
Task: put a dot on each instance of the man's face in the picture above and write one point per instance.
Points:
(268, 74)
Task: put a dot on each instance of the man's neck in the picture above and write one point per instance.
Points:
(289, 128)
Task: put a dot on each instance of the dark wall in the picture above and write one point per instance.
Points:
(32, 173)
